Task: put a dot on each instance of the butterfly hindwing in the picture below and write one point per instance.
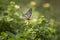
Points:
(28, 14)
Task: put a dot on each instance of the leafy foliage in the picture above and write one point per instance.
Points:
(12, 27)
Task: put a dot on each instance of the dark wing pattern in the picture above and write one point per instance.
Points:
(28, 14)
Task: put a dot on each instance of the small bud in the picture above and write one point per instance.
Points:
(34, 20)
(33, 3)
(46, 5)
(17, 6)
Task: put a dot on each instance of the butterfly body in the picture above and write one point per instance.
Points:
(28, 14)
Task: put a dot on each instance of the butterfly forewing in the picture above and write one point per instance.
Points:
(28, 14)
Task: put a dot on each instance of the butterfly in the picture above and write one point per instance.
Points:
(28, 14)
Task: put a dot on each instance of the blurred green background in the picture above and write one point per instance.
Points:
(44, 23)
(48, 8)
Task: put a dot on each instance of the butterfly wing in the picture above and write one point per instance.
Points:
(28, 14)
